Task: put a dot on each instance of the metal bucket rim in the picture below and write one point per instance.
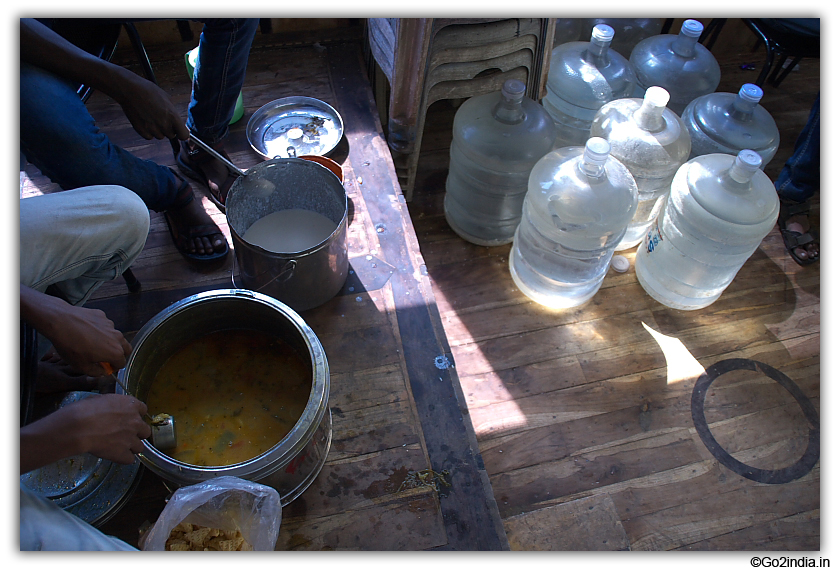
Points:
(271, 163)
(291, 444)
(259, 115)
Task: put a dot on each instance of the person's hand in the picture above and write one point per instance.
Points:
(149, 109)
(109, 426)
(83, 337)
(147, 106)
(56, 375)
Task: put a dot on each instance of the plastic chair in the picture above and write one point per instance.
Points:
(428, 59)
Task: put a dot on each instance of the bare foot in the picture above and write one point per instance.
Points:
(800, 224)
(217, 173)
(212, 172)
(194, 215)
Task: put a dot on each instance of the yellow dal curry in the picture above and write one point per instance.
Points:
(234, 394)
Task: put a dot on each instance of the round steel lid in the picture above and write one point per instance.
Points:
(293, 127)
(91, 488)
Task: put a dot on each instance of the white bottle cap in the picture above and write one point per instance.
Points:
(597, 150)
(692, 28)
(513, 89)
(746, 164)
(602, 33)
(751, 93)
(750, 158)
(657, 96)
(619, 263)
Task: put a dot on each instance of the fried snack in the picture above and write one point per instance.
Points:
(186, 536)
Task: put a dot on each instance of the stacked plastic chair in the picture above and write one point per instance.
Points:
(425, 60)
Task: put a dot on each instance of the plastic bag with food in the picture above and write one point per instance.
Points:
(224, 513)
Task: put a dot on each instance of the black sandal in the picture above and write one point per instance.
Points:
(183, 234)
(796, 240)
(191, 163)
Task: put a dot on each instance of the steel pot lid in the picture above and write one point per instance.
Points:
(294, 126)
(89, 487)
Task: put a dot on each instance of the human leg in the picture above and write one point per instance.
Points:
(80, 238)
(59, 136)
(224, 46)
(798, 181)
(219, 74)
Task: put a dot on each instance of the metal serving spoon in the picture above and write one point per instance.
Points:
(163, 425)
(209, 149)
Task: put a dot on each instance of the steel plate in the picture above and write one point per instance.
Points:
(91, 488)
(294, 126)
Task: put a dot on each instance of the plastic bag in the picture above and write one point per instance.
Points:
(227, 503)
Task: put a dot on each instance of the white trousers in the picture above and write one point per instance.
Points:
(76, 239)
(45, 526)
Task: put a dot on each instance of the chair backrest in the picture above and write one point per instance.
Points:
(796, 38)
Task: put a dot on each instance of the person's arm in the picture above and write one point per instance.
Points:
(147, 106)
(83, 337)
(109, 426)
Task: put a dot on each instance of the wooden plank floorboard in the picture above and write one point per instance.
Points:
(551, 412)
(587, 404)
(395, 410)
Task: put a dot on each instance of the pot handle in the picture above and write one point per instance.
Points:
(285, 273)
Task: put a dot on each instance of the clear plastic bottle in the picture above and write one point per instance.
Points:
(628, 31)
(719, 210)
(652, 142)
(730, 123)
(567, 30)
(578, 205)
(496, 140)
(582, 77)
(678, 63)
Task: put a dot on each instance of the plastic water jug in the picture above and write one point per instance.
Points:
(652, 142)
(582, 77)
(719, 210)
(628, 31)
(496, 140)
(678, 63)
(730, 123)
(568, 30)
(578, 205)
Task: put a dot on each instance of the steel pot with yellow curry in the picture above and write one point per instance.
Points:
(248, 383)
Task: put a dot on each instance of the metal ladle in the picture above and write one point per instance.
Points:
(163, 425)
(209, 149)
(258, 186)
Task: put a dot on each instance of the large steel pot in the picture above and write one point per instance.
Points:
(294, 462)
(303, 279)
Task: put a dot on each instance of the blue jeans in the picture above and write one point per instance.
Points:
(800, 176)
(224, 46)
(60, 137)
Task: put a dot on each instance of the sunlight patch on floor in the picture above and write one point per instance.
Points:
(680, 363)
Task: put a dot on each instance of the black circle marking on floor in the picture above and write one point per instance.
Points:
(785, 475)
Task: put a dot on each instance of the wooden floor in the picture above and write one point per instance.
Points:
(403, 471)
(583, 418)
